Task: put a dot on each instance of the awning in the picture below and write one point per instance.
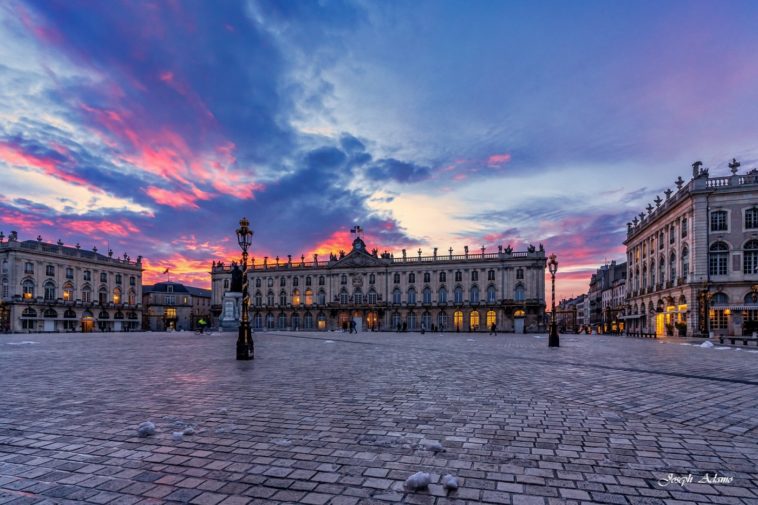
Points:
(734, 307)
(631, 316)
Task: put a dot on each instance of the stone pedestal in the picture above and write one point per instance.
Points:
(231, 311)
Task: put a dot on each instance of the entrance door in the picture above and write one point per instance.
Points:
(519, 325)
(358, 323)
(88, 324)
(659, 324)
(117, 326)
(49, 326)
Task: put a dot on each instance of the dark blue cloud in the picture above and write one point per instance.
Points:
(399, 171)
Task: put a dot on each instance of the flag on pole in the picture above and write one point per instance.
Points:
(165, 271)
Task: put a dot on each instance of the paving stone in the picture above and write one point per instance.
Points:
(341, 424)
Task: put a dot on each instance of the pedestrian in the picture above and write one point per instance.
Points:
(352, 326)
(493, 329)
(405, 327)
(423, 328)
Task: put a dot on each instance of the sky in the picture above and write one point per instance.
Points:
(152, 127)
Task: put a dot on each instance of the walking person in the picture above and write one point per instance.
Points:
(493, 329)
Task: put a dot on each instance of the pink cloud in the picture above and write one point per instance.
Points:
(498, 159)
(13, 155)
(122, 228)
(176, 199)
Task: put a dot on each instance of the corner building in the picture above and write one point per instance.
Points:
(55, 288)
(693, 258)
(464, 293)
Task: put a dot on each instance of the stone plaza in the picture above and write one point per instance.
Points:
(341, 419)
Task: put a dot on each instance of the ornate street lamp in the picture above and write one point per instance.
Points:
(552, 265)
(245, 346)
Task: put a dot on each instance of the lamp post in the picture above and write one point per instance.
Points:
(553, 340)
(245, 346)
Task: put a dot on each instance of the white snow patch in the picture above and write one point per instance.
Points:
(752, 351)
(450, 482)
(146, 429)
(328, 341)
(177, 436)
(24, 342)
(431, 445)
(538, 336)
(723, 348)
(419, 480)
(737, 349)
(706, 345)
(470, 340)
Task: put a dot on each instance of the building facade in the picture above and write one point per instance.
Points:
(613, 297)
(693, 258)
(569, 314)
(468, 292)
(54, 288)
(174, 306)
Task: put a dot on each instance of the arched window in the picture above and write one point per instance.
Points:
(344, 296)
(660, 239)
(296, 296)
(270, 321)
(49, 287)
(684, 227)
(308, 297)
(442, 320)
(491, 318)
(672, 267)
(652, 273)
(132, 297)
(491, 294)
(258, 321)
(395, 321)
(295, 321)
(426, 320)
(257, 283)
(357, 296)
(396, 279)
(458, 276)
(396, 296)
(491, 275)
(282, 282)
(718, 258)
(750, 257)
(520, 293)
(116, 295)
(118, 315)
(411, 295)
(685, 262)
(458, 294)
(50, 312)
(282, 298)
(474, 295)
(672, 234)
(427, 296)
(68, 292)
(103, 315)
(86, 294)
(474, 276)
(427, 277)
(308, 280)
(29, 312)
(69, 314)
(371, 279)
(474, 321)
(411, 278)
(442, 295)
(270, 298)
(443, 277)
(321, 280)
(519, 273)
(661, 270)
(282, 325)
(372, 296)
(308, 321)
(295, 281)
(102, 295)
(28, 287)
(321, 297)
(411, 319)
(258, 299)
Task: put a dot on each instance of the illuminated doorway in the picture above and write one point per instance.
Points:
(474, 321)
(371, 320)
(518, 321)
(458, 320)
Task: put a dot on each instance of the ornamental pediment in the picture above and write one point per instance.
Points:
(358, 259)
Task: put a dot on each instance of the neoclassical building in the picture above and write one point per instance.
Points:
(463, 292)
(174, 306)
(693, 258)
(52, 287)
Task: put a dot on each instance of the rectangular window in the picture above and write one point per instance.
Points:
(170, 299)
(29, 268)
(69, 273)
(719, 320)
(87, 275)
(50, 270)
(751, 218)
(718, 221)
(684, 227)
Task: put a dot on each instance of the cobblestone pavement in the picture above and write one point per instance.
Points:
(333, 418)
